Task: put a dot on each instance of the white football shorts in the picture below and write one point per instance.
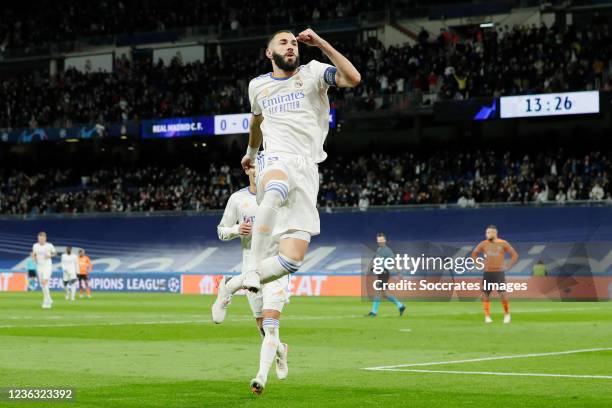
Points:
(44, 272)
(300, 211)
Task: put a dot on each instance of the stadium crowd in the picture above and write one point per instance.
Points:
(464, 178)
(42, 21)
(502, 61)
(115, 190)
(487, 62)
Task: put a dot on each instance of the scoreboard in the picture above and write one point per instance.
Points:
(204, 125)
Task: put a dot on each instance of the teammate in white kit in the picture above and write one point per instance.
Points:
(43, 253)
(267, 304)
(70, 266)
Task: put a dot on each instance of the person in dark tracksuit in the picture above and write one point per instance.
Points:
(384, 252)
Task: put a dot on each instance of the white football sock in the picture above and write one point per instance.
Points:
(46, 294)
(275, 267)
(269, 345)
(281, 347)
(265, 218)
(73, 288)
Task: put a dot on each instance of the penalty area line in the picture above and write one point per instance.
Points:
(472, 360)
(412, 370)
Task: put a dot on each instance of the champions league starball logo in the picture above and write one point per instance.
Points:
(33, 286)
(174, 285)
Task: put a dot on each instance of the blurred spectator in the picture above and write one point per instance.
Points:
(597, 193)
(539, 269)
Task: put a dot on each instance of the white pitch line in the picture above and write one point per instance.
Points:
(515, 311)
(603, 377)
(472, 360)
(245, 319)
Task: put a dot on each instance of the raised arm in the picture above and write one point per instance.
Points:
(347, 75)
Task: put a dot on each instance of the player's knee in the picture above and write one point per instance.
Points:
(270, 327)
(275, 193)
(290, 265)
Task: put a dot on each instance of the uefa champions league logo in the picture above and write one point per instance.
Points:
(174, 285)
(34, 286)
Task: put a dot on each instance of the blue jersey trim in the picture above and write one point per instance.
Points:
(247, 189)
(262, 76)
(279, 79)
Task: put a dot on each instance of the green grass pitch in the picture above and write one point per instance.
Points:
(152, 350)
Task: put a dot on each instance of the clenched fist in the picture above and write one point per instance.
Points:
(310, 38)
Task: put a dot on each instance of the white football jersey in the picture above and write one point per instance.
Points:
(70, 264)
(42, 253)
(241, 207)
(295, 110)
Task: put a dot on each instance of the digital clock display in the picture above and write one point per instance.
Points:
(553, 104)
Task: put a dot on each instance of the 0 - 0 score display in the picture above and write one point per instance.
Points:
(232, 124)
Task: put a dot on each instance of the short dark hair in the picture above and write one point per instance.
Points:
(381, 234)
(270, 38)
(491, 226)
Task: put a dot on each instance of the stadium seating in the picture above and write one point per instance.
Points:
(502, 61)
(464, 178)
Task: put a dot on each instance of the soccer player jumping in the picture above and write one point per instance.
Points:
(291, 116)
(494, 250)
